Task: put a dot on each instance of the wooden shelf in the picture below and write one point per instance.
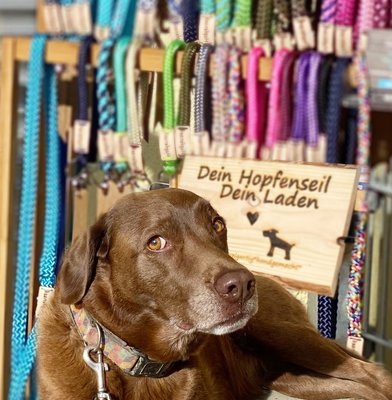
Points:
(150, 59)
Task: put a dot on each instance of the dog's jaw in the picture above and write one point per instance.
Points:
(235, 322)
(211, 317)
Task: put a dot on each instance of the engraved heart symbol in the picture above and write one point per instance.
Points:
(252, 217)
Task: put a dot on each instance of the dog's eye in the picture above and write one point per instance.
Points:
(156, 243)
(218, 225)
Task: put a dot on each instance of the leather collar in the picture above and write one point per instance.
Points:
(131, 361)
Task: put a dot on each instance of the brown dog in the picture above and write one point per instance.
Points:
(155, 272)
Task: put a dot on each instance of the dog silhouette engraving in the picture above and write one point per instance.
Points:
(277, 242)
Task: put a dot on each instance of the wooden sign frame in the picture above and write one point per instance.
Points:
(284, 219)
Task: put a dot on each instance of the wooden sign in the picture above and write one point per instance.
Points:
(283, 219)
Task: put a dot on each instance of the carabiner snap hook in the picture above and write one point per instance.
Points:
(99, 366)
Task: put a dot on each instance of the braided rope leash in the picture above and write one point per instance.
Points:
(207, 21)
(223, 14)
(176, 22)
(302, 24)
(264, 14)
(300, 121)
(190, 15)
(184, 111)
(166, 139)
(53, 17)
(106, 118)
(345, 21)
(364, 22)
(355, 287)
(286, 97)
(183, 128)
(133, 114)
(312, 132)
(274, 112)
(380, 15)
(103, 18)
(326, 26)
(28, 201)
(255, 110)
(322, 93)
(220, 119)
(202, 67)
(120, 51)
(327, 306)
(201, 137)
(82, 125)
(23, 351)
(282, 11)
(236, 103)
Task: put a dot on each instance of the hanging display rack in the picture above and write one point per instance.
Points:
(15, 50)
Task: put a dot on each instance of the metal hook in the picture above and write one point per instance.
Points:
(99, 366)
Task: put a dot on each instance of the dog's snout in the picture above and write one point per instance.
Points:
(235, 285)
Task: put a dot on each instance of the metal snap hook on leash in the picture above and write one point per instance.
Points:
(99, 367)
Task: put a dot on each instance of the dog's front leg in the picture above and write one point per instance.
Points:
(271, 251)
(281, 325)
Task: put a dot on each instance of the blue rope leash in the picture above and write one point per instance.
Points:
(327, 306)
(23, 351)
(190, 15)
(104, 13)
(28, 199)
(106, 107)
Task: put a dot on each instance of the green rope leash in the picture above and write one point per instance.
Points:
(242, 13)
(264, 19)
(169, 121)
(184, 109)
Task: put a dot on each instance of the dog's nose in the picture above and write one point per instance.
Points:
(236, 285)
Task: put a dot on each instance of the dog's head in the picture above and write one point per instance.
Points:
(155, 270)
(270, 233)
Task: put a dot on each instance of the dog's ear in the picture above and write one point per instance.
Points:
(274, 231)
(79, 263)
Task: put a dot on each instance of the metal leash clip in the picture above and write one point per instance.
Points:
(99, 367)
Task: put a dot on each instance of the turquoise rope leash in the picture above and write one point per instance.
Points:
(23, 351)
(28, 200)
(124, 12)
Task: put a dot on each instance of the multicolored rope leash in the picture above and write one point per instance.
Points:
(355, 285)
(23, 349)
(236, 104)
(220, 118)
